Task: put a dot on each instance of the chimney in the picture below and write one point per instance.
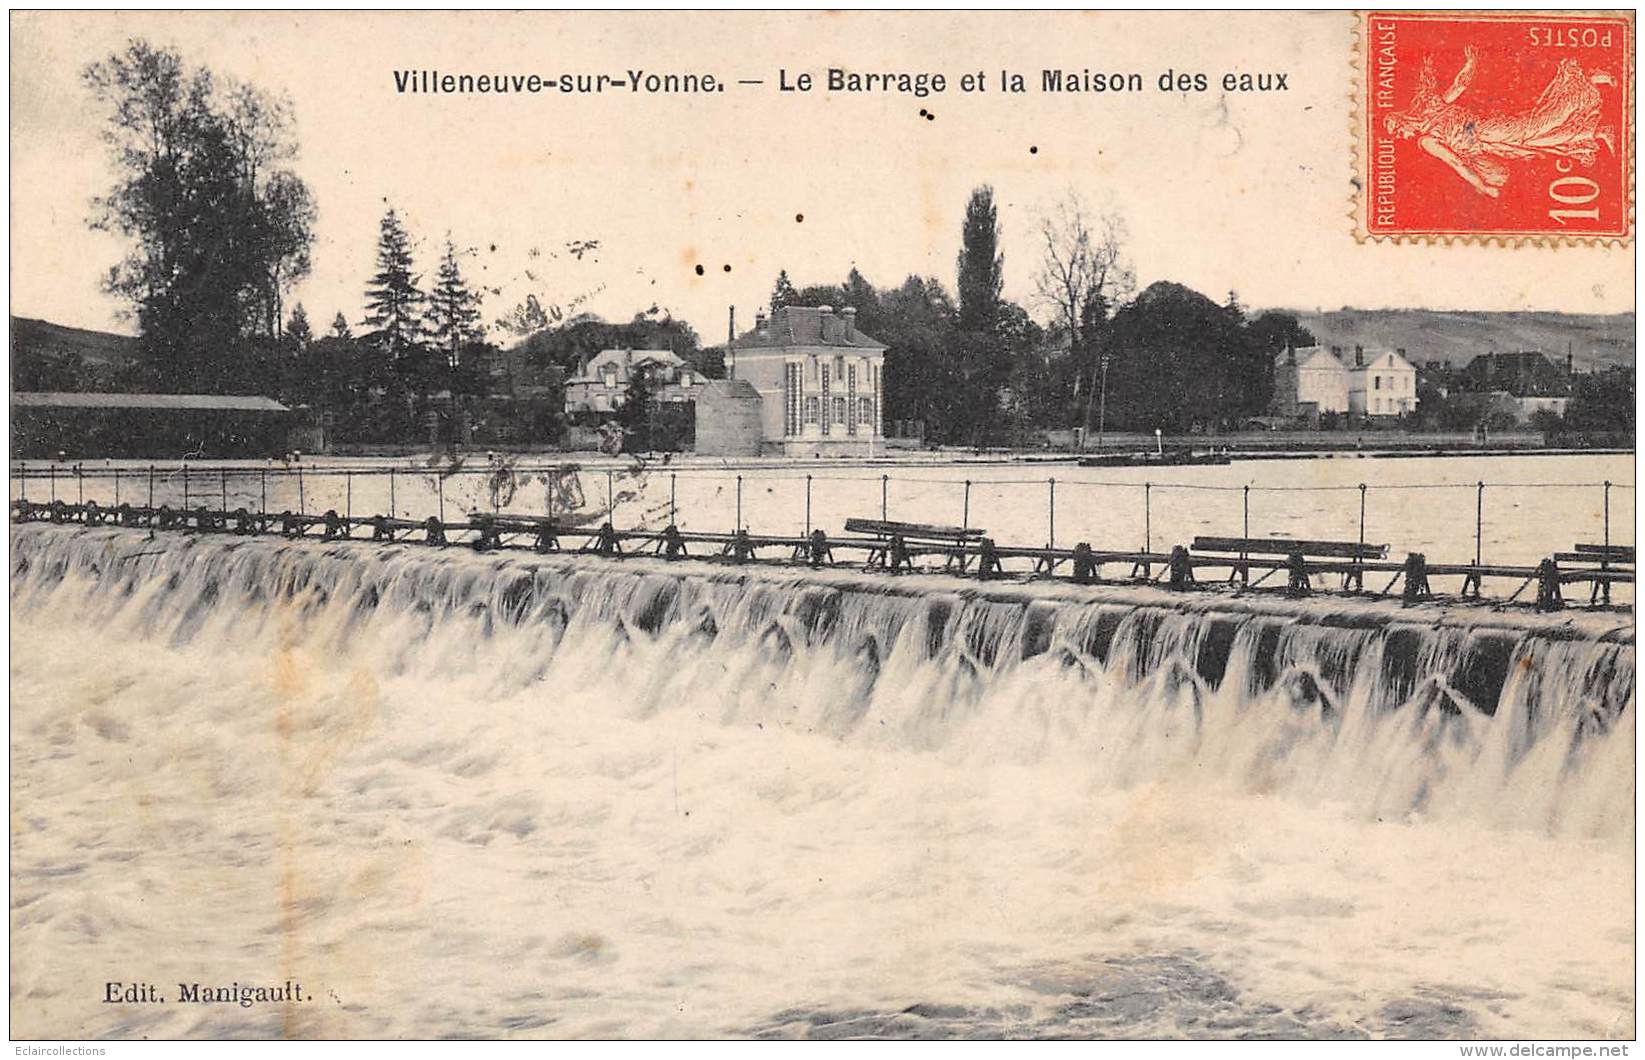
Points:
(1290, 355)
(1401, 352)
(759, 320)
(1336, 351)
(825, 313)
(850, 315)
(731, 325)
(1359, 356)
(1568, 363)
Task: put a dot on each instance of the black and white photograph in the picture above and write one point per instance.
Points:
(823, 525)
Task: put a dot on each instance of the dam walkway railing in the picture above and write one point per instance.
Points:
(896, 548)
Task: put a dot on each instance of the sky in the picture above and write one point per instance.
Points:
(1219, 191)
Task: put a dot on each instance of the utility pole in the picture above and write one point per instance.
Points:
(1102, 406)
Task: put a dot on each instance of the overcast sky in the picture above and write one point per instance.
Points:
(1220, 192)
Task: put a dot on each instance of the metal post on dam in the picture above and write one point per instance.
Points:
(1296, 567)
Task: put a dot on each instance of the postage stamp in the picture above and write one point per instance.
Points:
(1496, 125)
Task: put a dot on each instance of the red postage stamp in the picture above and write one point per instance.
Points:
(1504, 125)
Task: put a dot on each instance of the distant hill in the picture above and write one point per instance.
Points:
(1595, 340)
(43, 338)
(47, 356)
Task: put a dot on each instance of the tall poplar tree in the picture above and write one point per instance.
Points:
(983, 362)
(981, 265)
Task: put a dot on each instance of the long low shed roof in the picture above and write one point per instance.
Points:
(180, 402)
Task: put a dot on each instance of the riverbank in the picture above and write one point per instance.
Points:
(926, 458)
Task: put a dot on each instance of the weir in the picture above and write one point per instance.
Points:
(895, 547)
(1323, 659)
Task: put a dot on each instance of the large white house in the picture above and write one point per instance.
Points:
(1313, 380)
(819, 380)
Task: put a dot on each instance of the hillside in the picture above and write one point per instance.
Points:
(44, 339)
(1595, 340)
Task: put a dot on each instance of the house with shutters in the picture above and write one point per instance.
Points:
(819, 379)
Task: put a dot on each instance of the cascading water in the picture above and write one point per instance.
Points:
(684, 799)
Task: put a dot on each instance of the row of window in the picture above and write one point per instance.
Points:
(814, 368)
(852, 409)
(838, 407)
(1393, 383)
(609, 375)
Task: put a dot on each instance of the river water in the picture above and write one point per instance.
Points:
(454, 794)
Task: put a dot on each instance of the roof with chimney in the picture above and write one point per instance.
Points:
(799, 325)
(1385, 360)
(1317, 357)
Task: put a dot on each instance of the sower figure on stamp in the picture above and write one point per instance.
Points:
(1563, 123)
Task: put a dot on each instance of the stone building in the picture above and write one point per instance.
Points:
(729, 419)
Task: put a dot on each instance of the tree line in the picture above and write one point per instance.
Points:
(978, 368)
(221, 229)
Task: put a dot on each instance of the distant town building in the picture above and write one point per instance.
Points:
(1309, 381)
(151, 425)
(1381, 384)
(1314, 381)
(819, 380)
(1524, 374)
(1519, 384)
(600, 385)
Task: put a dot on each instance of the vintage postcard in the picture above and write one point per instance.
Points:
(822, 525)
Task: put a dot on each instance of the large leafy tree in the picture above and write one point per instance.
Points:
(220, 227)
(393, 298)
(917, 324)
(1183, 361)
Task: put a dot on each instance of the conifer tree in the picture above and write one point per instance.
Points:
(298, 329)
(782, 292)
(340, 328)
(393, 298)
(453, 316)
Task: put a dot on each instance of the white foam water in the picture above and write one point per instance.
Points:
(563, 796)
